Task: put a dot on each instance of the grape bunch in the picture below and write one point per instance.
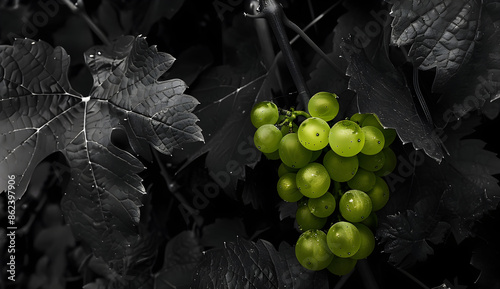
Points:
(334, 171)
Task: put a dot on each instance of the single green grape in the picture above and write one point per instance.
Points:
(273, 156)
(343, 239)
(287, 188)
(267, 138)
(313, 133)
(372, 220)
(389, 133)
(307, 221)
(283, 169)
(379, 194)
(323, 105)
(367, 242)
(358, 118)
(389, 163)
(372, 163)
(292, 153)
(346, 138)
(340, 169)
(341, 266)
(311, 250)
(313, 180)
(363, 180)
(355, 206)
(264, 112)
(323, 206)
(374, 140)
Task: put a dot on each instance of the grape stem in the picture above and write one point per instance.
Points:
(273, 13)
(79, 10)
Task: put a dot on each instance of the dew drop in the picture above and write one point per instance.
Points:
(91, 55)
(99, 53)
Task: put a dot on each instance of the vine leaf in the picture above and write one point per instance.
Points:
(439, 198)
(477, 83)
(407, 235)
(382, 93)
(442, 33)
(182, 254)
(245, 264)
(41, 114)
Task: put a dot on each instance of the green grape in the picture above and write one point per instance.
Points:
(313, 133)
(340, 169)
(283, 169)
(379, 194)
(323, 105)
(267, 138)
(287, 188)
(363, 180)
(263, 113)
(323, 206)
(358, 118)
(389, 133)
(367, 242)
(389, 163)
(372, 220)
(292, 153)
(313, 180)
(311, 250)
(355, 206)
(343, 239)
(346, 138)
(372, 163)
(306, 220)
(273, 156)
(374, 140)
(341, 266)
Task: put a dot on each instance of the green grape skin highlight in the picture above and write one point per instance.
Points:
(343, 239)
(346, 138)
(313, 133)
(287, 188)
(363, 180)
(374, 140)
(372, 163)
(379, 194)
(306, 220)
(292, 153)
(367, 244)
(323, 105)
(264, 112)
(267, 138)
(355, 206)
(323, 206)
(311, 250)
(340, 169)
(313, 180)
(341, 266)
